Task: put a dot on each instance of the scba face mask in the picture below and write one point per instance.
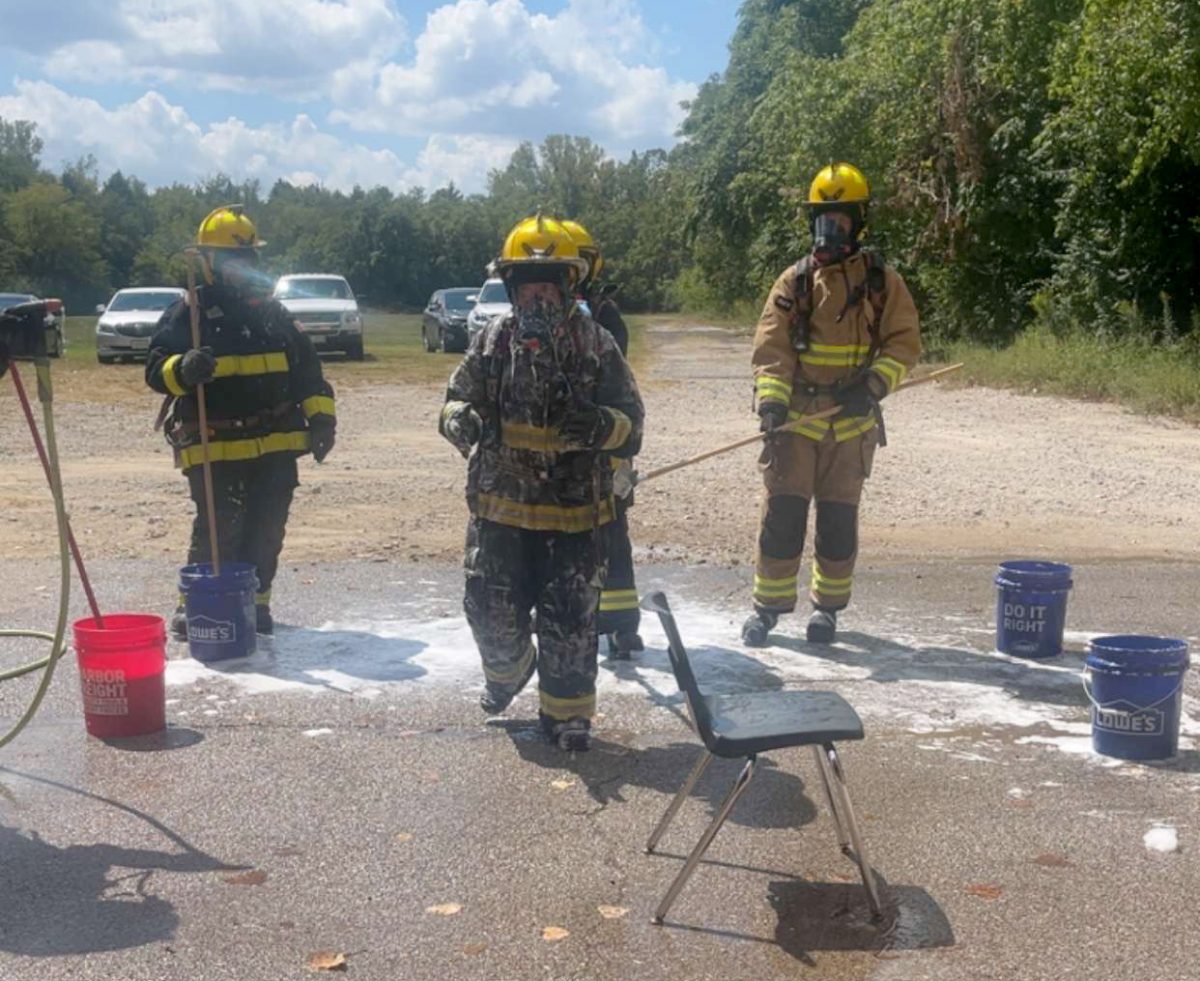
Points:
(537, 320)
(832, 241)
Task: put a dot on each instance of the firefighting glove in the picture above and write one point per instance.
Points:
(321, 430)
(197, 367)
(771, 415)
(588, 426)
(857, 398)
(464, 429)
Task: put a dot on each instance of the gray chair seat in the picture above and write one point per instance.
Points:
(744, 725)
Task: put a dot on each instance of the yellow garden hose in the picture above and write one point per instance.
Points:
(56, 639)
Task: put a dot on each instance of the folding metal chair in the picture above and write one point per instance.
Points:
(743, 726)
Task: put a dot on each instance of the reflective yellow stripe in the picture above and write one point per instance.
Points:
(839, 348)
(521, 436)
(847, 429)
(170, 378)
(827, 586)
(516, 674)
(318, 405)
(612, 600)
(775, 588)
(251, 364)
(580, 707)
(622, 427)
(772, 388)
(232, 450)
(541, 517)
(262, 599)
(851, 358)
(892, 372)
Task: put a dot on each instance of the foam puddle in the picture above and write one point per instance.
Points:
(935, 684)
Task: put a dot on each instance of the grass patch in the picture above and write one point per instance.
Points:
(1141, 374)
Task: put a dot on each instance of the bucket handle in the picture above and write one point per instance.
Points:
(1086, 673)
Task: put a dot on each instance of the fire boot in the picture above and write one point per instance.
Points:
(571, 736)
(622, 645)
(264, 623)
(179, 624)
(822, 626)
(757, 626)
(497, 697)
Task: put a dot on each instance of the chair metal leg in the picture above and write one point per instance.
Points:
(684, 792)
(823, 769)
(736, 791)
(868, 874)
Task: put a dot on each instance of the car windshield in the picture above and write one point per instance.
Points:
(14, 299)
(457, 299)
(493, 293)
(142, 301)
(313, 289)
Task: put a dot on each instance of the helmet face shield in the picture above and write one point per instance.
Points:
(833, 236)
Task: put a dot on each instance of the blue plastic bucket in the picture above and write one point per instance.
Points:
(1135, 685)
(220, 610)
(1031, 608)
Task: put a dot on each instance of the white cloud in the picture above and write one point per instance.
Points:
(492, 66)
(160, 143)
(287, 47)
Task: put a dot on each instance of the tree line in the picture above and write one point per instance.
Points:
(1032, 161)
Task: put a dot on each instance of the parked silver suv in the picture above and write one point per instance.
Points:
(129, 320)
(326, 310)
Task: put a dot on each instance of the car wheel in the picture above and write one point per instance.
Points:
(425, 342)
(442, 345)
(354, 351)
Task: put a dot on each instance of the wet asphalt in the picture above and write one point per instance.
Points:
(424, 842)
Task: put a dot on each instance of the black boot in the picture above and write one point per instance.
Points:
(822, 626)
(263, 621)
(496, 698)
(757, 626)
(622, 645)
(179, 624)
(571, 736)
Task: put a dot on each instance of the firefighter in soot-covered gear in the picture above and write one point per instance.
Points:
(267, 399)
(540, 401)
(838, 328)
(619, 616)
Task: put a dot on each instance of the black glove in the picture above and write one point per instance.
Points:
(771, 415)
(588, 426)
(856, 399)
(197, 367)
(321, 430)
(464, 429)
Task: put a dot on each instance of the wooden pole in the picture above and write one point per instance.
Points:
(786, 427)
(205, 462)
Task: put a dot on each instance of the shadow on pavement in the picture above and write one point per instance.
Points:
(172, 737)
(775, 799)
(82, 899)
(890, 661)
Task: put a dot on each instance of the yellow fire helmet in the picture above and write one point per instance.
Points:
(541, 244)
(839, 183)
(227, 227)
(587, 247)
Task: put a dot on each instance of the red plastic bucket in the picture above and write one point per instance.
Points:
(121, 669)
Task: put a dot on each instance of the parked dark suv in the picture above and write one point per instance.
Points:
(444, 324)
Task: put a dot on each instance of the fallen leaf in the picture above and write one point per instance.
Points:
(430, 776)
(1052, 861)
(445, 909)
(255, 877)
(612, 912)
(563, 784)
(985, 890)
(326, 960)
(403, 838)
(1021, 803)
(842, 877)
(474, 950)
(288, 851)
(554, 934)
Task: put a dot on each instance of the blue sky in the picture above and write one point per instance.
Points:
(343, 92)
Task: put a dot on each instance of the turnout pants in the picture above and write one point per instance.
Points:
(252, 499)
(619, 611)
(513, 573)
(797, 471)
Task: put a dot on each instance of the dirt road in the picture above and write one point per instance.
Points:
(969, 472)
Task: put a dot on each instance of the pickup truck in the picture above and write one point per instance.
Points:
(326, 310)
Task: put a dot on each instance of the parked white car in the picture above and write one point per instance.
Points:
(492, 302)
(326, 310)
(129, 320)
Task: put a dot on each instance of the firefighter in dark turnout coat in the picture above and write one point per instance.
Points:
(267, 400)
(541, 399)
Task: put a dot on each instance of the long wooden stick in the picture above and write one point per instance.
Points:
(786, 427)
(205, 462)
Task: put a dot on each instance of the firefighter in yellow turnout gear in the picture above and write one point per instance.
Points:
(838, 328)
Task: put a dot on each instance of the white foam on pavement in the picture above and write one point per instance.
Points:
(1162, 838)
(937, 683)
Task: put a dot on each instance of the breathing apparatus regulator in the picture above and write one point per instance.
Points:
(540, 250)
